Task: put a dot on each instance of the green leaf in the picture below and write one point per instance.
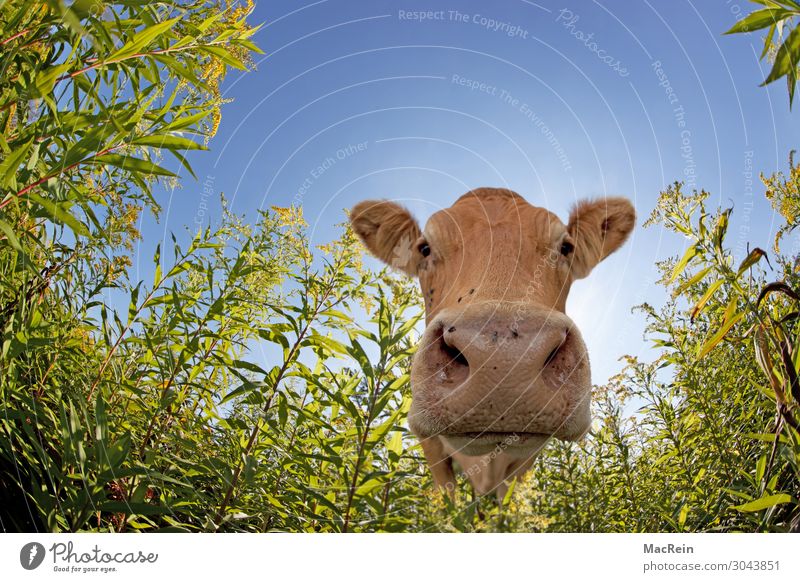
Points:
(59, 213)
(786, 57)
(168, 142)
(117, 452)
(696, 278)
(760, 19)
(141, 39)
(11, 237)
(728, 321)
(249, 45)
(225, 56)
(45, 82)
(184, 162)
(684, 513)
(206, 24)
(705, 298)
(181, 71)
(131, 164)
(395, 444)
(358, 353)
(11, 163)
(690, 253)
(721, 228)
(768, 41)
(765, 502)
(101, 419)
(93, 141)
(326, 343)
(185, 121)
(134, 508)
(244, 388)
(369, 486)
(274, 335)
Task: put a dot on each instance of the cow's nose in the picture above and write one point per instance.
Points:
(481, 343)
(501, 369)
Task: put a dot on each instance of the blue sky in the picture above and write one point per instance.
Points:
(558, 101)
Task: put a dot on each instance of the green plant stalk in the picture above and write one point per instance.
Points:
(294, 351)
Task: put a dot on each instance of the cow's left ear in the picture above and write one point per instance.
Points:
(598, 228)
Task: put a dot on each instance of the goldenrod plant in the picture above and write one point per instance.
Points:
(705, 436)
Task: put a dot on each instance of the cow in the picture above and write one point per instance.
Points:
(500, 369)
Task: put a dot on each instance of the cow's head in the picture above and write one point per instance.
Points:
(500, 368)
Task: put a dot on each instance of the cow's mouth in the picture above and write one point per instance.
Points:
(483, 442)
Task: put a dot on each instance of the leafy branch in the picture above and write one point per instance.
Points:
(782, 40)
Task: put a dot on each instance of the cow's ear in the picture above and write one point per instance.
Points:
(389, 232)
(598, 228)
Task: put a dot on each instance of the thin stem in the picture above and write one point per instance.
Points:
(257, 428)
(19, 34)
(276, 489)
(127, 328)
(168, 384)
(361, 445)
(164, 51)
(44, 179)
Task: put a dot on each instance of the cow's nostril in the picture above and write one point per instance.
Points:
(554, 352)
(445, 360)
(453, 364)
(454, 355)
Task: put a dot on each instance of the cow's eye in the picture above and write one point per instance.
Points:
(424, 249)
(566, 248)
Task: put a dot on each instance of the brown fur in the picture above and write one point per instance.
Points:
(500, 368)
(388, 230)
(599, 227)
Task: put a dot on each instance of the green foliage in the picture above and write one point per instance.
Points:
(784, 194)
(782, 40)
(161, 416)
(705, 437)
(100, 90)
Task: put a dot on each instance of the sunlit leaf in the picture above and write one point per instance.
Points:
(765, 502)
(729, 319)
(712, 288)
(690, 253)
(132, 164)
(760, 19)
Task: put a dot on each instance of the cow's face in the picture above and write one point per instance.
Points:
(499, 362)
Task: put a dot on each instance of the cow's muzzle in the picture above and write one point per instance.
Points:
(500, 374)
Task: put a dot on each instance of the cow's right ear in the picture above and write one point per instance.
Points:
(389, 232)
(598, 227)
